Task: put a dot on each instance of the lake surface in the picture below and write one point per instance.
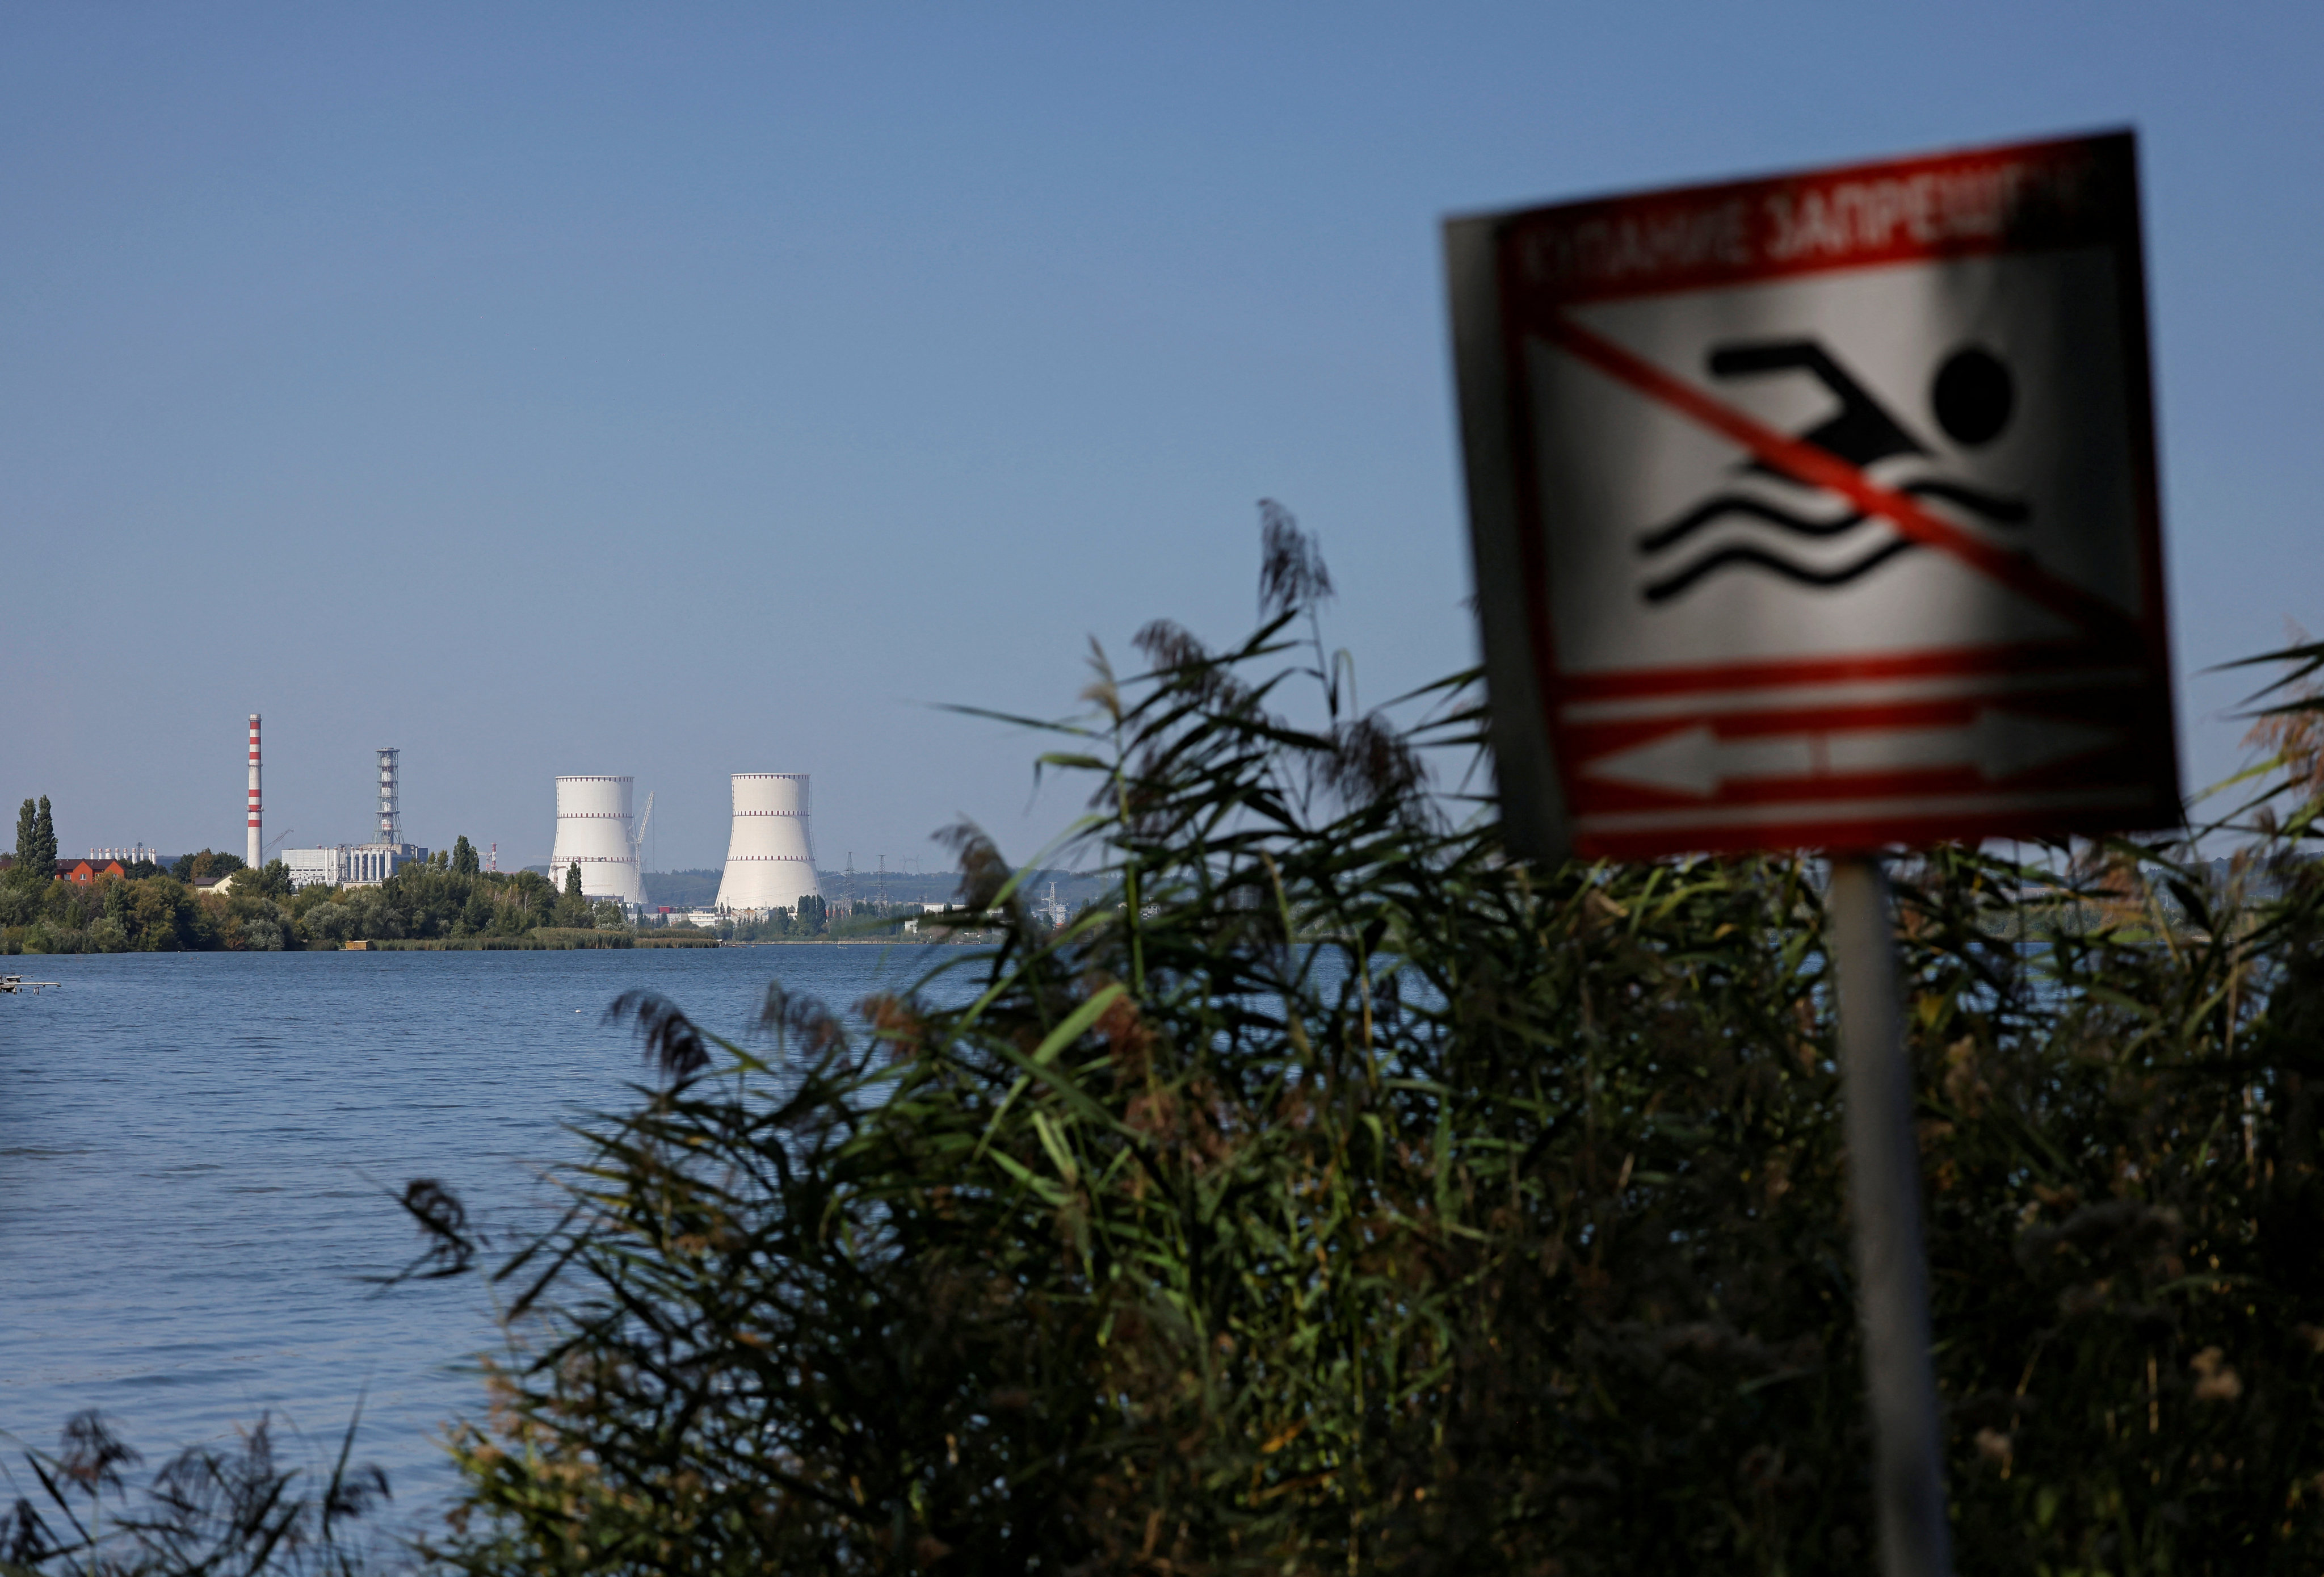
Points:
(199, 1154)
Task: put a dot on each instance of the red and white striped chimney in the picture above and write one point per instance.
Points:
(255, 843)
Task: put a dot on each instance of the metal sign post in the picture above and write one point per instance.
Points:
(1819, 511)
(1884, 1195)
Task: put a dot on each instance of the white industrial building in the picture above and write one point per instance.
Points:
(770, 862)
(349, 864)
(593, 831)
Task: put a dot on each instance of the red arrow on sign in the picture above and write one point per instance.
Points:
(1699, 761)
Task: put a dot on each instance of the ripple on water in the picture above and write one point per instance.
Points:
(199, 1154)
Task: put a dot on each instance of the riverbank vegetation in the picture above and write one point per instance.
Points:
(251, 1508)
(1349, 1197)
(434, 899)
(815, 918)
(446, 902)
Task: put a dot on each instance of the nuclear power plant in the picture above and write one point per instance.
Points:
(593, 831)
(769, 857)
(770, 862)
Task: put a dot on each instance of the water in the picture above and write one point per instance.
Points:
(199, 1155)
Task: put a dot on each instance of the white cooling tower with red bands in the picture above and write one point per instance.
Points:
(769, 863)
(254, 843)
(593, 832)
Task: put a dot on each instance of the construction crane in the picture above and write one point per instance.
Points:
(285, 833)
(637, 839)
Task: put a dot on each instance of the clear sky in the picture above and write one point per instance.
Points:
(685, 389)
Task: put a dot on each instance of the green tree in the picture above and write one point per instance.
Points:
(272, 881)
(573, 908)
(463, 857)
(208, 863)
(27, 842)
(330, 922)
(162, 917)
(39, 860)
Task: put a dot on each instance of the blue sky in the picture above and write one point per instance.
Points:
(680, 391)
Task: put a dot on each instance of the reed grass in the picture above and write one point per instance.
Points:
(1346, 1196)
(1350, 1196)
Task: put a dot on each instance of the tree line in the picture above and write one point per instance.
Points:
(152, 911)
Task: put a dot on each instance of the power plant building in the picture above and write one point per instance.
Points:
(593, 831)
(770, 862)
(349, 864)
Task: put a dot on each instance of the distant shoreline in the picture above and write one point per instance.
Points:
(615, 942)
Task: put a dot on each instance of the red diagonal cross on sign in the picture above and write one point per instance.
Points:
(1805, 463)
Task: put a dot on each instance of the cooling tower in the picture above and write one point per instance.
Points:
(769, 863)
(593, 831)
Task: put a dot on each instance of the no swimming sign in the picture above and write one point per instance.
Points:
(1820, 510)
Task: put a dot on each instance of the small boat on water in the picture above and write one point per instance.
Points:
(16, 982)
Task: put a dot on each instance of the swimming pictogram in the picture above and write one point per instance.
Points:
(1972, 398)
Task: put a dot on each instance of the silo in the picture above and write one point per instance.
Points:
(593, 831)
(769, 863)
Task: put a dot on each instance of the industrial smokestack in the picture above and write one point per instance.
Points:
(770, 864)
(593, 832)
(255, 837)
